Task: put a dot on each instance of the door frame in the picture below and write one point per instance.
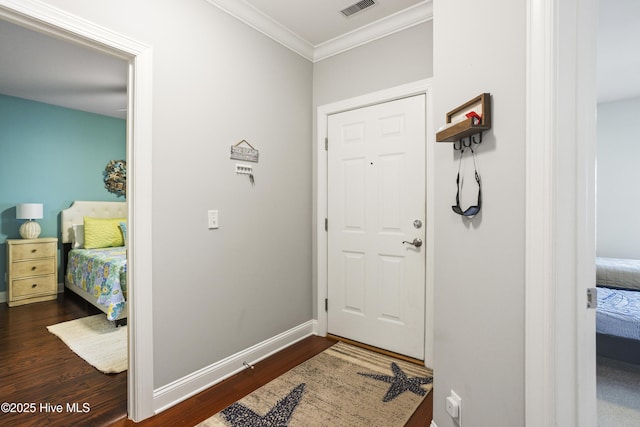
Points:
(321, 236)
(561, 102)
(46, 19)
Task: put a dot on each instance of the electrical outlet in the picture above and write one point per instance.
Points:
(213, 219)
(454, 407)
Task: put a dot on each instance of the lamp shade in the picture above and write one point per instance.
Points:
(29, 211)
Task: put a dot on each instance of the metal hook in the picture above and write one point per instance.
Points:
(465, 145)
(473, 138)
(459, 147)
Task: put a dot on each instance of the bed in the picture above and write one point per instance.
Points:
(93, 236)
(618, 313)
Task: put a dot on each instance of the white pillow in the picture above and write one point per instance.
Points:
(77, 236)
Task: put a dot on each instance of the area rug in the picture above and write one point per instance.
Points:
(97, 340)
(342, 386)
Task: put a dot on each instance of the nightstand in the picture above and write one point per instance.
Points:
(32, 270)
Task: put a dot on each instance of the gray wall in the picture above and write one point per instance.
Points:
(618, 198)
(215, 82)
(403, 57)
(480, 264)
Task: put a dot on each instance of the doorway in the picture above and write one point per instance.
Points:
(54, 22)
(422, 87)
(376, 208)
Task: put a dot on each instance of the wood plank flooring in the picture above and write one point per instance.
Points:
(38, 368)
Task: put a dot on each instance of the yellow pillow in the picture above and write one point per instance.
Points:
(103, 232)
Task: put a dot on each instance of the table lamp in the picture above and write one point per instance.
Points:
(29, 211)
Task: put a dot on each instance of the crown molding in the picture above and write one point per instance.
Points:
(399, 21)
(263, 23)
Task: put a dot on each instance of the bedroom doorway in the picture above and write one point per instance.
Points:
(422, 87)
(57, 23)
(617, 233)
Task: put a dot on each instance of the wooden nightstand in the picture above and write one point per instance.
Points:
(32, 270)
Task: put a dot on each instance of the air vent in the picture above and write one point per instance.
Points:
(358, 7)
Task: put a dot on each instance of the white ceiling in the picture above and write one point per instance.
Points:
(317, 29)
(319, 21)
(42, 68)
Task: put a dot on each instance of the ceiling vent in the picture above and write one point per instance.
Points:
(358, 7)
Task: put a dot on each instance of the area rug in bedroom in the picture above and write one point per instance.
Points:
(95, 339)
(342, 386)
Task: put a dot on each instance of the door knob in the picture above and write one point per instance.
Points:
(416, 242)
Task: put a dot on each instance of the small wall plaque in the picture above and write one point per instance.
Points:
(248, 154)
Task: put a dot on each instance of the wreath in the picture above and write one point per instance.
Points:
(115, 177)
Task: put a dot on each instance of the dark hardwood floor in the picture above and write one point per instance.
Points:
(38, 369)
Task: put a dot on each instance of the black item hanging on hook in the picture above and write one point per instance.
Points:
(475, 209)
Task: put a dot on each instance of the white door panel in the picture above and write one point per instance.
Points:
(376, 182)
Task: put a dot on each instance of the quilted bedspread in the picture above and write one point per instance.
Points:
(102, 273)
(618, 313)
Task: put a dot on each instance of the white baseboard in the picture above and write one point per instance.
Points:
(183, 388)
(433, 424)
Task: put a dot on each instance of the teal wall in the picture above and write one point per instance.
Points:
(52, 155)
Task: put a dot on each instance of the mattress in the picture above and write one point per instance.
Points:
(101, 273)
(618, 273)
(618, 313)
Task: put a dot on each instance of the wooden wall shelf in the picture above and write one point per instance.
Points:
(464, 127)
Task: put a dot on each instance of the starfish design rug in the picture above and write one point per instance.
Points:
(239, 415)
(342, 386)
(400, 383)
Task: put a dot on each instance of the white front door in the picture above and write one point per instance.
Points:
(376, 208)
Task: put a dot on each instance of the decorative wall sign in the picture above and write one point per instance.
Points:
(249, 153)
(115, 177)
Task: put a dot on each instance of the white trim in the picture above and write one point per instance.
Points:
(585, 191)
(268, 26)
(42, 17)
(140, 245)
(407, 18)
(410, 89)
(539, 280)
(560, 211)
(256, 19)
(183, 388)
(433, 424)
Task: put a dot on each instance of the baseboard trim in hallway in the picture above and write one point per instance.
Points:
(214, 399)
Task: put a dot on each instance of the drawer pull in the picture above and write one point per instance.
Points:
(34, 285)
(33, 268)
(33, 251)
